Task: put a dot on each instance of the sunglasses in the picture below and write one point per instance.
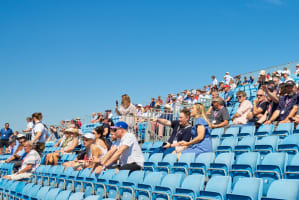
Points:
(239, 96)
(259, 95)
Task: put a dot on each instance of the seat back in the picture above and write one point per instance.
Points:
(217, 132)
(77, 196)
(64, 194)
(247, 130)
(217, 186)
(52, 194)
(283, 189)
(247, 187)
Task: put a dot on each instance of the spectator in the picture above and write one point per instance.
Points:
(159, 101)
(286, 77)
(204, 96)
(240, 117)
(245, 82)
(287, 106)
(181, 129)
(215, 95)
(6, 132)
(147, 112)
(30, 163)
(153, 103)
(67, 124)
(12, 145)
(201, 141)
(238, 81)
(110, 115)
(78, 121)
(262, 79)
(128, 153)
(285, 70)
(219, 116)
(127, 112)
(139, 110)
(100, 138)
(232, 84)
(297, 69)
(67, 145)
(19, 154)
(99, 117)
(214, 82)
(228, 95)
(93, 117)
(179, 97)
(197, 94)
(29, 125)
(191, 100)
(227, 78)
(39, 133)
(53, 134)
(260, 106)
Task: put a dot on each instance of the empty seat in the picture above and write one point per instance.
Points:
(227, 145)
(217, 132)
(41, 193)
(232, 132)
(202, 163)
(64, 194)
(102, 180)
(216, 188)
(283, 189)
(77, 196)
(167, 187)
(246, 144)
(246, 188)
(150, 165)
(126, 191)
(244, 166)
(284, 129)
(266, 145)
(166, 163)
(146, 146)
(183, 163)
(264, 130)
(290, 144)
(156, 146)
(52, 194)
(93, 197)
(215, 143)
(190, 188)
(247, 131)
(222, 165)
(292, 168)
(115, 182)
(271, 168)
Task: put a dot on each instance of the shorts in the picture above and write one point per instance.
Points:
(3, 143)
(39, 147)
(21, 176)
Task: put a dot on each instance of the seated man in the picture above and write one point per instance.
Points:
(240, 117)
(31, 161)
(287, 106)
(181, 128)
(228, 95)
(128, 152)
(219, 116)
(260, 106)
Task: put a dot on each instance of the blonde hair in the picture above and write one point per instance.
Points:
(125, 100)
(201, 113)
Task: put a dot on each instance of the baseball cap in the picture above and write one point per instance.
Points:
(290, 83)
(226, 86)
(89, 136)
(120, 124)
(20, 136)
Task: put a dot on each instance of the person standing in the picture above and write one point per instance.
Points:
(39, 133)
(6, 132)
(29, 125)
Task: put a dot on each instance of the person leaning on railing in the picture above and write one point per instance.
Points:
(181, 128)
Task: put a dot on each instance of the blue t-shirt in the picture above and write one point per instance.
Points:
(22, 154)
(6, 134)
(228, 94)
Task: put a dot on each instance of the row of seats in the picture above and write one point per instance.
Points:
(156, 185)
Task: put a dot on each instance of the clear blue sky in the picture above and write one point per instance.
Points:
(70, 58)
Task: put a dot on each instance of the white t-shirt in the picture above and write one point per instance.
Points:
(39, 127)
(215, 82)
(133, 153)
(29, 125)
(227, 79)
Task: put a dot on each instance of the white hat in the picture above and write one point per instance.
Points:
(262, 72)
(89, 136)
(139, 105)
(20, 136)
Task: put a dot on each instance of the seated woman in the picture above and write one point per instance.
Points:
(100, 139)
(201, 141)
(94, 153)
(67, 143)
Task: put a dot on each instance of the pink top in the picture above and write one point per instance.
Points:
(244, 108)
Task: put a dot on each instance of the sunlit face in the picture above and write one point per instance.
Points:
(87, 142)
(27, 148)
(241, 98)
(183, 119)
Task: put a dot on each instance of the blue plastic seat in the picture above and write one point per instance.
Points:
(146, 156)
(78, 183)
(231, 132)
(246, 144)
(284, 129)
(245, 166)
(126, 191)
(18, 189)
(155, 148)
(222, 165)
(247, 131)
(144, 190)
(24, 190)
(215, 143)
(216, 188)
(290, 144)
(93, 197)
(217, 132)
(166, 163)
(292, 168)
(32, 192)
(183, 163)
(77, 196)
(283, 189)
(101, 181)
(266, 145)
(41, 193)
(60, 181)
(167, 187)
(113, 184)
(52, 194)
(69, 180)
(247, 188)
(64, 194)
(146, 146)
(264, 130)
(150, 165)
(227, 145)
(271, 168)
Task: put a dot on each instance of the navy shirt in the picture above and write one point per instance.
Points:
(285, 105)
(228, 94)
(5, 134)
(180, 133)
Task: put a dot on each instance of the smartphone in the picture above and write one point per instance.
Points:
(116, 102)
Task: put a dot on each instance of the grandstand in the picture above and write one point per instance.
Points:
(246, 163)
